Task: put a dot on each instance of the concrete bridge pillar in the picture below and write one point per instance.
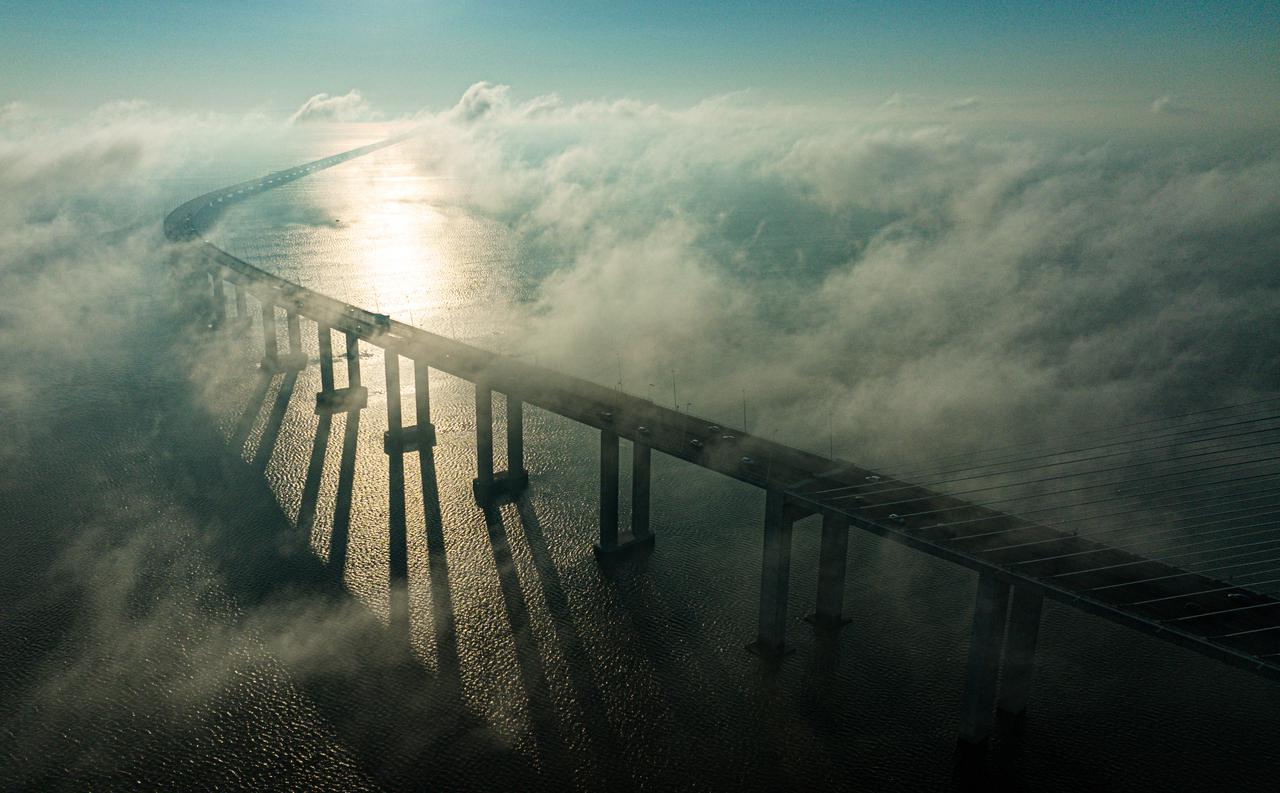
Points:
(397, 536)
(490, 485)
(271, 346)
(324, 339)
(219, 298)
(977, 713)
(608, 491)
(640, 464)
(611, 546)
(394, 410)
(295, 360)
(295, 333)
(831, 572)
(331, 399)
(775, 578)
(398, 439)
(1019, 652)
(242, 311)
(482, 485)
(515, 444)
(353, 360)
(515, 434)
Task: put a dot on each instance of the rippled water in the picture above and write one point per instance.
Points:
(478, 651)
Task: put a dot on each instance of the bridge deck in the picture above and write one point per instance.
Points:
(1232, 623)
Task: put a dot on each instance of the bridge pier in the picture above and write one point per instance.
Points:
(395, 420)
(1019, 652)
(832, 558)
(397, 552)
(640, 465)
(273, 361)
(488, 485)
(242, 309)
(269, 342)
(516, 474)
(324, 340)
(219, 298)
(977, 712)
(398, 439)
(330, 400)
(610, 547)
(775, 577)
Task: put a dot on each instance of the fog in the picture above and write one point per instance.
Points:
(888, 289)
(913, 286)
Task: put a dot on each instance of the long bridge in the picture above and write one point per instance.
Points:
(1019, 562)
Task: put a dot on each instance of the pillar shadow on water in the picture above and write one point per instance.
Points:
(342, 502)
(442, 618)
(397, 551)
(272, 429)
(392, 715)
(315, 470)
(532, 668)
(586, 691)
(252, 409)
(684, 667)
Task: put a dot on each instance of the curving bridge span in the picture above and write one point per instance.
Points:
(1234, 624)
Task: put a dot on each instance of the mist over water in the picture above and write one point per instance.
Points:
(203, 589)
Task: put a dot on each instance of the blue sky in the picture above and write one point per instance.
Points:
(234, 56)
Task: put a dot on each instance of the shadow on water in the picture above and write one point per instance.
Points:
(407, 726)
(398, 551)
(252, 409)
(272, 429)
(442, 619)
(315, 470)
(573, 650)
(532, 669)
(342, 502)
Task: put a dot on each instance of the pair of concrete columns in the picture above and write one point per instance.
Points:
(775, 579)
(611, 545)
(490, 485)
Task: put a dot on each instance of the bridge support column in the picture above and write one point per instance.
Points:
(396, 529)
(271, 346)
(513, 481)
(640, 464)
(353, 360)
(324, 340)
(482, 485)
(831, 573)
(219, 298)
(419, 436)
(394, 410)
(977, 712)
(608, 492)
(273, 361)
(1019, 652)
(331, 399)
(775, 578)
(242, 310)
(611, 547)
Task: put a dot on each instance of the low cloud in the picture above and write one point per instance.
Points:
(350, 106)
(480, 100)
(920, 287)
(1169, 105)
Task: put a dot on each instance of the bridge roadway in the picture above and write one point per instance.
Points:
(1233, 624)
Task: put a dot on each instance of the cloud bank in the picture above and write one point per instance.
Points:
(915, 287)
(350, 106)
